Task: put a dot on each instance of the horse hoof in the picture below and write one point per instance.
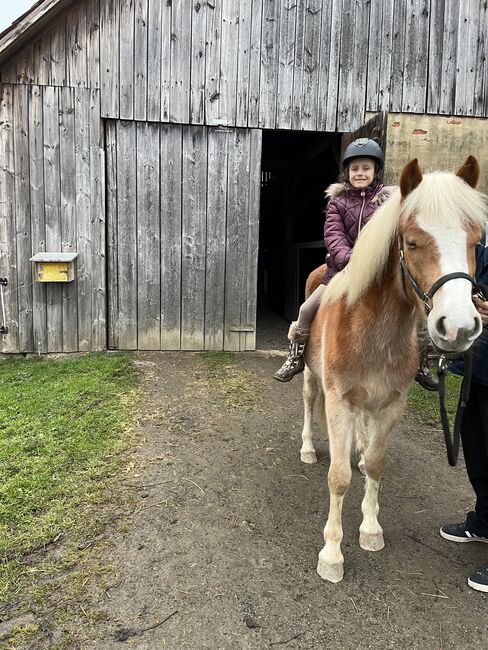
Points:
(330, 572)
(371, 542)
(309, 457)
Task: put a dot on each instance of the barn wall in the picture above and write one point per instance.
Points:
(438, 142)
(52, 198)
(307, 64)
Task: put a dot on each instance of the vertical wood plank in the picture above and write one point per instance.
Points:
(386, 57)
(212, 63)
(311, 64)
(481, 81)
(269, 64)
(9, 73)
(148, 238)
(112, 235)
(333, 80)
(140, 60)
(171, 227)
(8, 257)
(253, 237)
(243, 62)
(165, 60)
(52, 210)
(375, 44)
(58, 53)
(25, 65)
(109, 58)
(194, 212)
(154, 48)
(23, 281)
(93, 42)
(38, 226)
(228, 63)
(449, 58)
(286, 59)
(218, 147)
(127, 17)
(76, 47)
(68, 212)
(127, 242)
(198, 46)
(237, 239)
(180, 50)
(98, 233)
(42, 60)
(83, 218)
(416, 56)
(255, 63)
(354, 48)
(296, 114)
(398, 52)
(436, 37)
(467, 60)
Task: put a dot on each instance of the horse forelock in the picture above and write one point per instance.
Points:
(442, 198)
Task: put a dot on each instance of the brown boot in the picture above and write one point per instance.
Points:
(294, 362)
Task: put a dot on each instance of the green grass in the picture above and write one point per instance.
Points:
(425, 405)
(63, 423)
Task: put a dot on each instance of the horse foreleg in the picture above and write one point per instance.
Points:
(340, 421)
(310, 389)
(379, 427)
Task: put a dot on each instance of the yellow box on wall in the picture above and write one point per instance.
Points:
(54, 267)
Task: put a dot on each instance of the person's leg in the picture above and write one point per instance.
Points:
(298, 336)
(474, 436)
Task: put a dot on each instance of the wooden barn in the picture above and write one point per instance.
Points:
(164, 161)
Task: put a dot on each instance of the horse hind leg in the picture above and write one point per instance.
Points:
(340, 420)
(379, 427)
(310, 390)
(361, 442)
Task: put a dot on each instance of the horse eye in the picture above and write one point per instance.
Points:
(411, 245)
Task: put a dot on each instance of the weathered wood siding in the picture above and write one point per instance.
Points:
(306, 64)
(183, 232)
(52, 197)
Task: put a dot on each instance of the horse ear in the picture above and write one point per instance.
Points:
(470, 171)
(411, 177)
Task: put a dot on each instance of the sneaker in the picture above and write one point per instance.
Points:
(479, 579)
(426, 379)
(458, 533)
(293, 365)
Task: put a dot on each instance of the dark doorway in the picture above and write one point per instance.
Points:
(296, 169)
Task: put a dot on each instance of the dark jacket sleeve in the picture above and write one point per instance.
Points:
(335, 238)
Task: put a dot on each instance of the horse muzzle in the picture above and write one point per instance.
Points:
(451, 334)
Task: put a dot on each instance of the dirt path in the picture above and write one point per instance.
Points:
(228, 524)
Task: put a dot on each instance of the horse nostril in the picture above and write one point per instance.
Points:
(440, 327)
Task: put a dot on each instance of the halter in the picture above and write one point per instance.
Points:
(427, 296)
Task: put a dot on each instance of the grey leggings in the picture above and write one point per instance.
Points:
(309, 309)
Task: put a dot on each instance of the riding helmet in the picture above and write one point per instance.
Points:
(363, 148)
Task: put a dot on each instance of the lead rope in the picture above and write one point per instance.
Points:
(452, 441)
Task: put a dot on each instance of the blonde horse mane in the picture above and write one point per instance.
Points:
(441, 198)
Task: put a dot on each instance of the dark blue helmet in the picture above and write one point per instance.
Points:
(363, 148)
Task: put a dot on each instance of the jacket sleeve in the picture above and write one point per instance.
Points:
(338, 248)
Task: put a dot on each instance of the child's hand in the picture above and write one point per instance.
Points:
(482, 308)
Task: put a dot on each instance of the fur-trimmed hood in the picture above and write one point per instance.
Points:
(381, 192)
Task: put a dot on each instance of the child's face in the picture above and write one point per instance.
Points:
(361, 172)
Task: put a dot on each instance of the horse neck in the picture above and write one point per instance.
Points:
(396, 308)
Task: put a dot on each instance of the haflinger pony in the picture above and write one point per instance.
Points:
(417, 253)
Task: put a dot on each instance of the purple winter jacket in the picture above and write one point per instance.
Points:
(348, 211)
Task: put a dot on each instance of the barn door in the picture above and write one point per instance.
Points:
(183, 224)
(374, 128)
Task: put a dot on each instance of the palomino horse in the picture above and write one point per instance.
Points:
(362, 353)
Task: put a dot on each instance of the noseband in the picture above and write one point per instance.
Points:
(427, 296)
